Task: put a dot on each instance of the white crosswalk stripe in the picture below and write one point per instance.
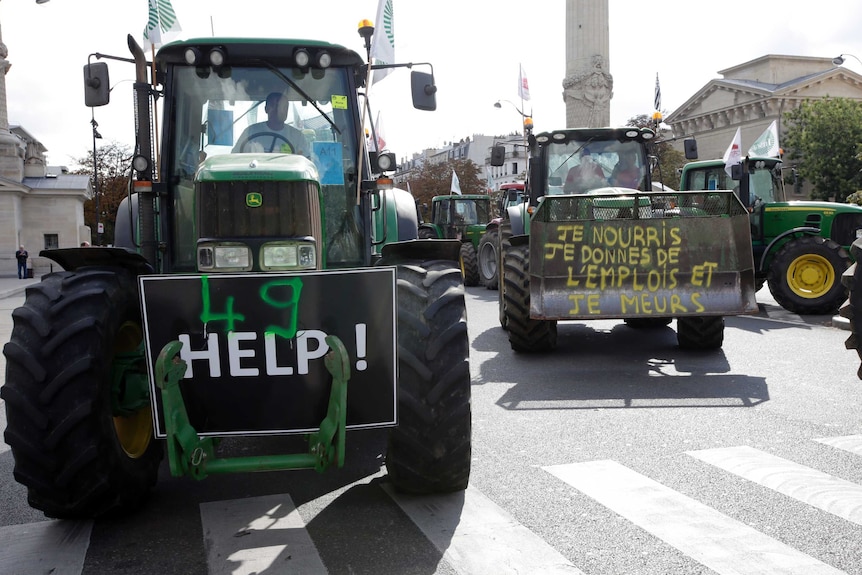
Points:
(850, 443)
(476, 536)
(818, 489)
(718, 542)
(246, 536)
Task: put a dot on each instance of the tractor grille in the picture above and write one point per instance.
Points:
(273, 209)
(638, 206)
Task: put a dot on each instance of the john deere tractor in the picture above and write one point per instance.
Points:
(800, 248)
(461, 217)
(268, 290)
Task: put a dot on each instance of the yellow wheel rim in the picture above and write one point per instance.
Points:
(810, 276)
(135, 431)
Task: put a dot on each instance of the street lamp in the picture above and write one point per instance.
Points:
(840, 58)
(526, 118)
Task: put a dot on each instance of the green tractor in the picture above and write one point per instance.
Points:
(800, 248)
(247, 292)
(462, 217)
(509, 195)
(593, 241)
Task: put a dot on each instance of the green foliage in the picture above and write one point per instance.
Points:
(670, 160)
(824, 137)
(435, 179)
(112, 161)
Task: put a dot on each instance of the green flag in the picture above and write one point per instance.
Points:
(162, 24)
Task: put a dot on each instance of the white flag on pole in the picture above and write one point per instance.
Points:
(162, 24)
(455, 188)
(767, 143)
(523, 85)
(733, 154)
(383, 42)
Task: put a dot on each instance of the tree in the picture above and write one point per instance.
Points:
(112, 162)
(824, 137)
(435, 179)
(670, 160)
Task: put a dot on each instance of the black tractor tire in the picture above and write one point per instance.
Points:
(488, 259)
(426, 234)
(805, 276)
(503, 244)
(526, 335)
(430, 450)
(647, 322)
(75, 457)
(469, 264)
(700, 332)
(852, 308)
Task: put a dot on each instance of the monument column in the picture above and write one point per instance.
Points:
(11, 147)
(588, 85)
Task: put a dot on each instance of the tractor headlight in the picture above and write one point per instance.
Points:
(280, 256)
(224, 257)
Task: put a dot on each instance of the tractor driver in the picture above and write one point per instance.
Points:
(274, 135)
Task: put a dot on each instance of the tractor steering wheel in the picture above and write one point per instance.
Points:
(275, 138)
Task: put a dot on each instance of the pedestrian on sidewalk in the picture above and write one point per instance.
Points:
(21, 255)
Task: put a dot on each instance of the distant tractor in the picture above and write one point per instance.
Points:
(272, 286)
(593, 241)
(510, 194)
(800, 248)
(464, 218)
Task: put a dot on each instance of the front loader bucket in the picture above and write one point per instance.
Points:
(613, 255)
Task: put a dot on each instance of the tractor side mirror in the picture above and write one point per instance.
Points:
(498, 155)
(690, 146)
(424, 91)
(97, 87)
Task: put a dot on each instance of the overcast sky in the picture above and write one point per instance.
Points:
(475, 48)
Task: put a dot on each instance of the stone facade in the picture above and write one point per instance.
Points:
(751, 95)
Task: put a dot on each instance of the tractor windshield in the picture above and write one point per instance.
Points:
(765, 183)
(579, 167)
(262, 110)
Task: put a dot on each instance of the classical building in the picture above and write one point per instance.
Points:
(588, 84)
(751, 95)
(41, 206)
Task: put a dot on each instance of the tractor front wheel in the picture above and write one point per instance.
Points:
(430, 450)
(700, 332)
(81, 446)
(488, 269)
(805, 276)
(526, 334)
(469, 264)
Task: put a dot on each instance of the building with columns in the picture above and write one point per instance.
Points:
(751, 95)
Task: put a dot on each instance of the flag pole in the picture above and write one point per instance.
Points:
(155, 110)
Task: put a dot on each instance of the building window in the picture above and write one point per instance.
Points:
(52, 241)
(514, 168)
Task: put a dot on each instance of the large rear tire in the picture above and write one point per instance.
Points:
(503, 245)
(76, 456)
(700, 332)
(430, 450)
(469, 264)
(526, 335)
(488, 268)
(852, 308)
(805, 276)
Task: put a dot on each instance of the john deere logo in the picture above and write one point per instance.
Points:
(253, 200)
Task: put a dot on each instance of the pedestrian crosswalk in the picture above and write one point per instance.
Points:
(475, 535)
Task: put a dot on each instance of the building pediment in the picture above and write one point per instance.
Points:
(726, 94)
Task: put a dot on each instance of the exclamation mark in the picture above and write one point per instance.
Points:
(361, 364)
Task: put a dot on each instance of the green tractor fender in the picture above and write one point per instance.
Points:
(778, 241)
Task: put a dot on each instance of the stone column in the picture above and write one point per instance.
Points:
(11, 147)
(588, 85)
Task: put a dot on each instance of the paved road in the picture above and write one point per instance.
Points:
(618, 453)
